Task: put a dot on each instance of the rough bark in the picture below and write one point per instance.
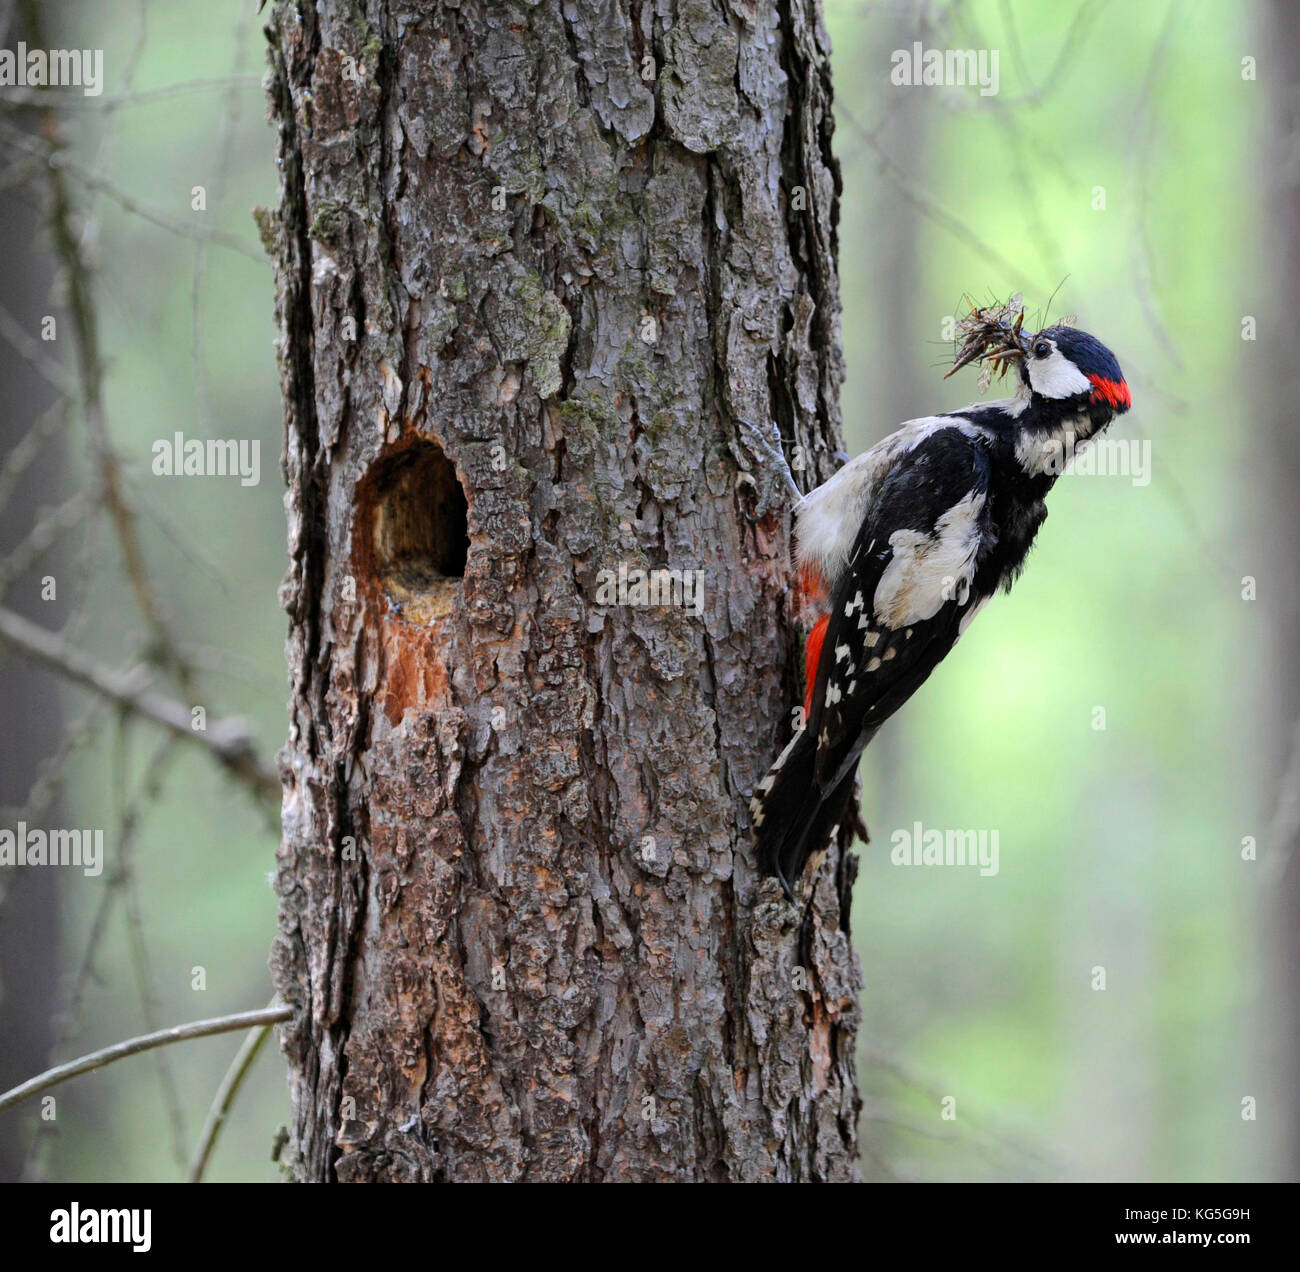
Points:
(520, 917)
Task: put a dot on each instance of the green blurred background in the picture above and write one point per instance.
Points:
(1120, 847)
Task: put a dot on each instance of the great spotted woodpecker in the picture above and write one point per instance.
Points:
(904, 546)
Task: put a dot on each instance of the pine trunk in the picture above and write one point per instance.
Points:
(539, 266)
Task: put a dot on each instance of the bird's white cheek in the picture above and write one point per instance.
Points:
(1057, 377)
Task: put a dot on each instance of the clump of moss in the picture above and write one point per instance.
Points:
(329, 225)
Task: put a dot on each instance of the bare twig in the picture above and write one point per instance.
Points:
(42, 537)
(925, 205)
(29, 446)
(882, 1059)
(58, 162)
(133, 1046)
(90, 374)
(130, 66)
(224, 1099)
(229, 740)
(53, 771)
(1143, 134)
(44, 97)
(1052, 80)
(139, 950)
(30, 349)
(225, 147)
(155, 773)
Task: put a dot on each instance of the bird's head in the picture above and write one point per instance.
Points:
(1068, 366)
(1065, 371)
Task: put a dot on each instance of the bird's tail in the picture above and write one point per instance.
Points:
(791, 817)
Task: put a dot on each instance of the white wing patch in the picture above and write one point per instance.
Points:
(828, 518)
(929, 570)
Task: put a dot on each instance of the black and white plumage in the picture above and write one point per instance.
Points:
(904, 545)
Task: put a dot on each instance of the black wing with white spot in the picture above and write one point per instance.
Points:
(894, 614)
(895, 611)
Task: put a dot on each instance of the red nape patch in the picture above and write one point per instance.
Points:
(1115, 392)
(811, 657)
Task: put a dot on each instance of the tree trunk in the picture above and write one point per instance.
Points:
(31, 906)
(1279, 532)
(538, 266)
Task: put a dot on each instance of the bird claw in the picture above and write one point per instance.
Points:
(772, 491)
(775, 484)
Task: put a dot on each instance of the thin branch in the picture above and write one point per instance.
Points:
(50, 370)
(90, 373)
(137, 944)
(42, 537)
(29, 447)
(981, 1126)
(225, 151)
(81, 573)
(44, 97)
(1055, 76)
(923, 203)
(69, 1020)
(227, 739)
(1142, 149)
(52, 773)
(224, 1099)
(58, 162)
(133, 1046)
(108, 132)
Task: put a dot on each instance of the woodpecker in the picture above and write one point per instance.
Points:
(905, 545)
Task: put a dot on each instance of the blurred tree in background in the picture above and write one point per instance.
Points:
(1139, 164)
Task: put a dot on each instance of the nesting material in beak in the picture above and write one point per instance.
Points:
(991, 334)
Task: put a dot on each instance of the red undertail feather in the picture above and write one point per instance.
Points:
(812, 656)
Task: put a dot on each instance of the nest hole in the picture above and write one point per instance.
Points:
(420, 538)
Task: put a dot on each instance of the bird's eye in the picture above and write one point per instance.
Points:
(1042, 349)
